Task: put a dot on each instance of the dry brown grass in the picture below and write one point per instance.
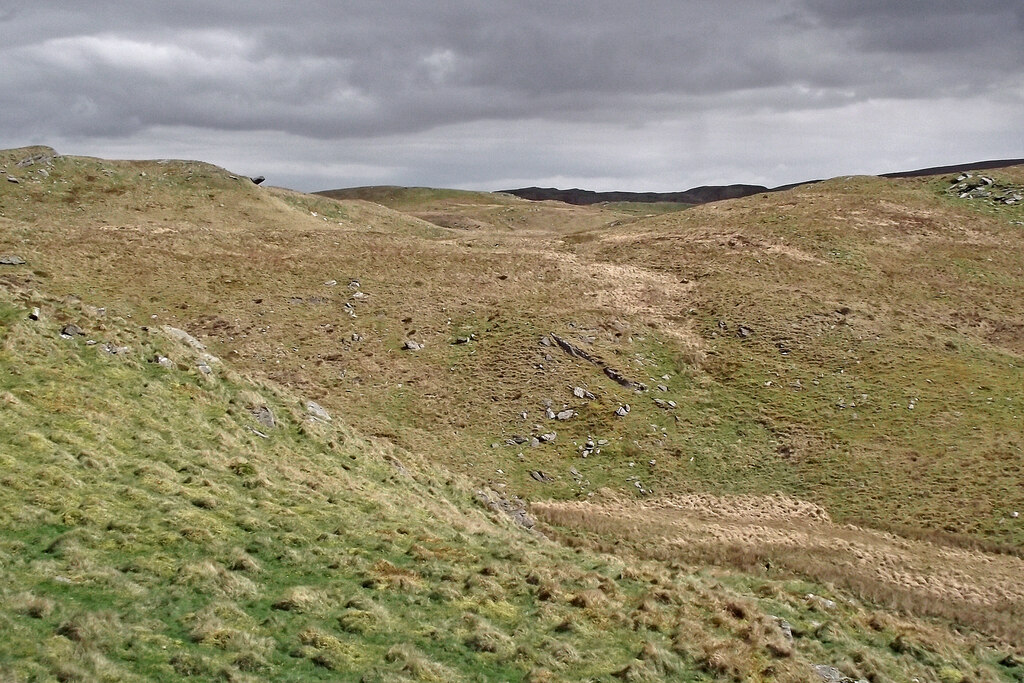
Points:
(972, 587)
(245, 269)
(873, 287)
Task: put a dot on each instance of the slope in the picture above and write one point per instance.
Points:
(164, 517)
(148, 504)
(876, 371)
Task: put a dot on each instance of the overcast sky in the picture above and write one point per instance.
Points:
(603, 94)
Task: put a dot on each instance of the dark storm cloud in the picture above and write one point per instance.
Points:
(342, 73)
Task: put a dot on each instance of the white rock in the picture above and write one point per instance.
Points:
(317, 412)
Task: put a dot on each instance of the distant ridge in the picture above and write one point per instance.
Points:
(959, 168)
(696, 195)
(713, 193)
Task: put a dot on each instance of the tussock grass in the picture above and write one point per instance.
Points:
(336, 563)
(973, 588)
(889, 289)
(147, 509)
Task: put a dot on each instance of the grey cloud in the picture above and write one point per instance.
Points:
(360, 70)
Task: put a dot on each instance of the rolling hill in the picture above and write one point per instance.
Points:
(771, 438)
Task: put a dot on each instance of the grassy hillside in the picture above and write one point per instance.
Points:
(165, 517)
(852, 346)
(879, 375)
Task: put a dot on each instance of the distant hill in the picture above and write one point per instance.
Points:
(959, 168)
(715, 193)
(697, 195)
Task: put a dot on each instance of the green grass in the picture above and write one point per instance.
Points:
(932, 285)
(148, 533)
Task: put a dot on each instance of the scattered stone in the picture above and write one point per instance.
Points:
(566, 415)
(576, 352)
(1014, 514)
(540, 476)
(1010, 662)
(11, 260)
(744, 332)
(410, 345)
(317, 412)
(163, 361)
(519, 439)
(622, 411)
(621, 379)
(257, 180)
(69, 331)
(41, 158)
(258, 433)
(356, 337)
(573, 350)
(462, 340)
(331, 283)
(549, 414)
(115, 350)
(666, 405)
(514, 507)
(183, 336)
(545, 341)
(662, 387)
(575, 473)
(549, 437)
(818, 601)
(35, 314)
(360, 295)
(786, 628)
(265, 416)
(830, 674)
(580, 392)
(204, 368)
(12, 179)
(534, 442)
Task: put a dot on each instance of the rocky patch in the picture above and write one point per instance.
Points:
(576, 352)
(977, 186)
(513, 507)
